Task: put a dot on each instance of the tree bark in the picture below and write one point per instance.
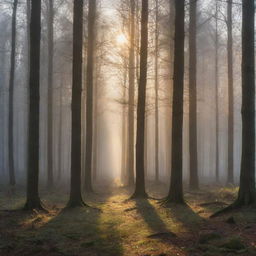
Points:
(33, 200)
(89, 96)
(140, 191)
(193, 153)
(130, 160)
(76, 143)
(175, 194)
(157, 93)
(247, 195)
(230, 179)
(12, 180)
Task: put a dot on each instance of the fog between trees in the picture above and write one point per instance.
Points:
(105, 103)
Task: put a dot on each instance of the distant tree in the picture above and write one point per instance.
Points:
(12, 180)
(75, 199)
(230, 179)
(89, 95)
(60, 144)
(140, 190)
(130, 155)
(247, 192)
(175, 194)
(33, 200)
(216, 43)
(50, 21)
(193, 153)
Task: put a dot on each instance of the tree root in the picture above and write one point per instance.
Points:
(226, 210)
(167, 202)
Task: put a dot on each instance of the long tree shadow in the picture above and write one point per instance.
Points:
(150, 216)
(185, 215)
(78, 231)
(163, 231)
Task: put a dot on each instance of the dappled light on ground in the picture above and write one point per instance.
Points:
(123, 227)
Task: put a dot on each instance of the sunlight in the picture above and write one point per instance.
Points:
(121, 39)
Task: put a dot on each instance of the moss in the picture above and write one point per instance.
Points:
(206, 238)
(234, 244)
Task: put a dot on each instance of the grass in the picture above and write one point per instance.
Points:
(133, 227)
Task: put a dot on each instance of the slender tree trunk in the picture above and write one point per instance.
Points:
(76, 143)
(124, 173)
(33, 200)
(50, 96)
(89, 96)
(194, 180)
(176, 187)
(140, 190)
(95, 123)
(60, 133)
(12, 180)
(230, 96)
(130, 160)
(217, 93)
(28, 18)
(156, 93)
(146, 149)
(247, 193)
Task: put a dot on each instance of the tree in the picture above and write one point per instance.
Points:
(193, 181)
(247, 192)
(230, 95)
(50, 95)
(157, 92)
(75, 199)
(130, 155)
(89, 95)
(12, 180)
(217, 90)
(175, 194)
(33, 200)
(140, 191)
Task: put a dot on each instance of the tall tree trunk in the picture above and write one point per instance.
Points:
(76, 143)
(130, 160)
(50, 95)
(140, 190)
(60, 132)
(33, 200)
(194, 180)
(247, 193)
(217, 93)
(156, 93)
(230, 96)
(124, 173)
(96, 122)
(175, 194)
(89, 96)
(12, 180)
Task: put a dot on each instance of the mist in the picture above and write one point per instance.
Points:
(130, 109)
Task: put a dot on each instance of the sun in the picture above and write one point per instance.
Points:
(121, 39)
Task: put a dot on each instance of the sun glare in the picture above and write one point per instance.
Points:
(121, 39)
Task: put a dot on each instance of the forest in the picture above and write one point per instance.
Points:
(127, 128)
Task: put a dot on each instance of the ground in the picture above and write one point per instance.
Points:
(126, 227)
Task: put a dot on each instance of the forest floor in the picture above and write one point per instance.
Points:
(127, 227)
